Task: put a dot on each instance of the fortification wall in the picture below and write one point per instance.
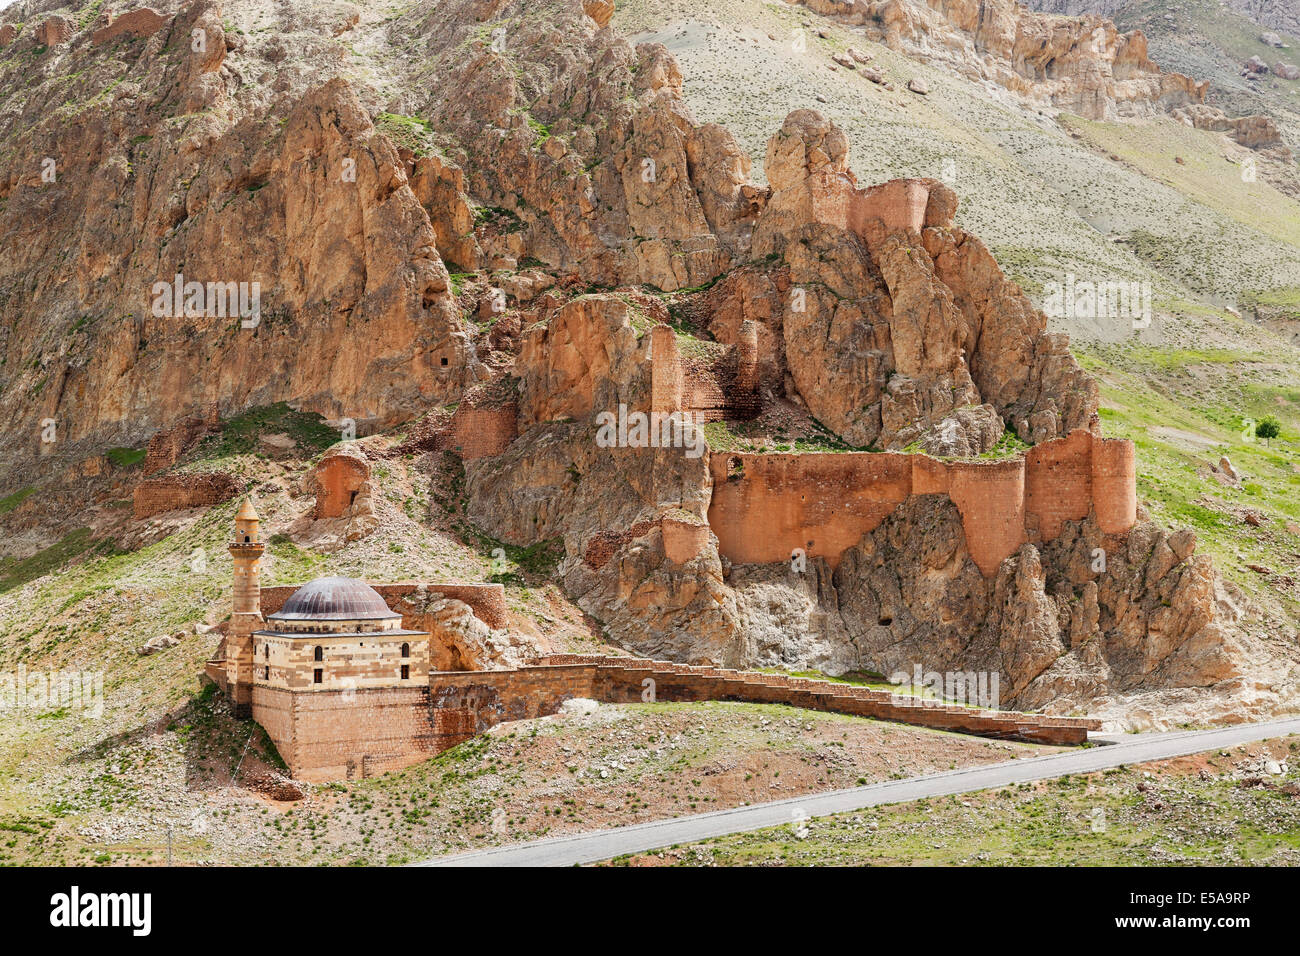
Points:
(666, 375)
(337, 480)
(1058, 483)
(141, 22)
(765, 506)
(1114, 484)
(338, 734)
(166, 447)
(487, 601)
(475, 701)
(173, 492)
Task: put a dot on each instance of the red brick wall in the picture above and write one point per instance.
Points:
(171, 492)
(480, 432)
(991, 499)
(1114, 484)
(898, 205)
(1058, 483)
(141, 22)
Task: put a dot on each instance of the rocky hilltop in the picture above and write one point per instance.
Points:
(1084, 65)
(493, 223)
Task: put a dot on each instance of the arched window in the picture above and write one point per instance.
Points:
(266, 651)
(320, 654)
(246, 539)
(406, 650)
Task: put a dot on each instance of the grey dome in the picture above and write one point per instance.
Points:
(334, 599)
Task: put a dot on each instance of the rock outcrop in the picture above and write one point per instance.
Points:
(892, 322)
(1084, 65)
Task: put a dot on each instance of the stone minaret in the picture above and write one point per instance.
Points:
(246, 615)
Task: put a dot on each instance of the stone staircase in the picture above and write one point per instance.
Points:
(702, 682)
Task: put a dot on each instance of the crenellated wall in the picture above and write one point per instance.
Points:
(764, 507)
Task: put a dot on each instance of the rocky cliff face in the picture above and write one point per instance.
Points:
(255, 155)
(945, 342)
(533, 147)
(1277, 14)
(1083, 65)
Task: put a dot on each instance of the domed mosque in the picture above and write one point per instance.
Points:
(334, 632)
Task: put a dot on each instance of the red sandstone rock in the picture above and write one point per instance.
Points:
(1083, 64)
(599, 10)
(8, 33)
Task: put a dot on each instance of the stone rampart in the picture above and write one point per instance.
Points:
(765, 507)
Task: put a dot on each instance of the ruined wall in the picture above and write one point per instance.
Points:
(172, 492)
(896, 206)
(346, 734)
(765, 506)
(666, 375)
(684, 536)
(487, 601)
(336, 482)
(141, 22)
(166, 447)
(480, 432)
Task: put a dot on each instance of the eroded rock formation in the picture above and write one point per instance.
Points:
(1084, 65)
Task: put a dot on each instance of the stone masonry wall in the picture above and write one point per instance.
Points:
(481, 432)
(345, 734)
(172, 492)
(468, 703)
(766, 506)
(337, 734)
(373, 659)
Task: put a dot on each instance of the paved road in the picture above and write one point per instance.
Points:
(604, 844)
